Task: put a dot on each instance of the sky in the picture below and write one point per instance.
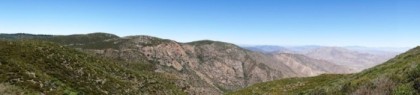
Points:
(371, 23)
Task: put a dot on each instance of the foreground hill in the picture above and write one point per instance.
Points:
(202, 67)
(398, 76)
(37, 67)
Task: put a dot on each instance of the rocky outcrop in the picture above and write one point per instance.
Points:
(201, 67)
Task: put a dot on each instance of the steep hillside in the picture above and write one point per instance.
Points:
(36, 67)
(211, 66)
(205, 66)
(399, 76)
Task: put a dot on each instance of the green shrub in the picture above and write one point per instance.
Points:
(404, 89)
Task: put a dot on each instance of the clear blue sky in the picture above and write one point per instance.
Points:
(374, 23)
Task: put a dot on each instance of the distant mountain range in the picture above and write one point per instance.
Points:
(274, 48)
(199, 67)
(357, 58)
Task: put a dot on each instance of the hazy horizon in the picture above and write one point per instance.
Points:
(367, 23)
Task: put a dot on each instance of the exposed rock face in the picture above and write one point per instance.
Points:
(202, 68)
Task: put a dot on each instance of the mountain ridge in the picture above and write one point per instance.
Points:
(201, 66)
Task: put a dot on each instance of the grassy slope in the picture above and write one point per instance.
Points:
(288, 86)
(43, 67)
(399, 76)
